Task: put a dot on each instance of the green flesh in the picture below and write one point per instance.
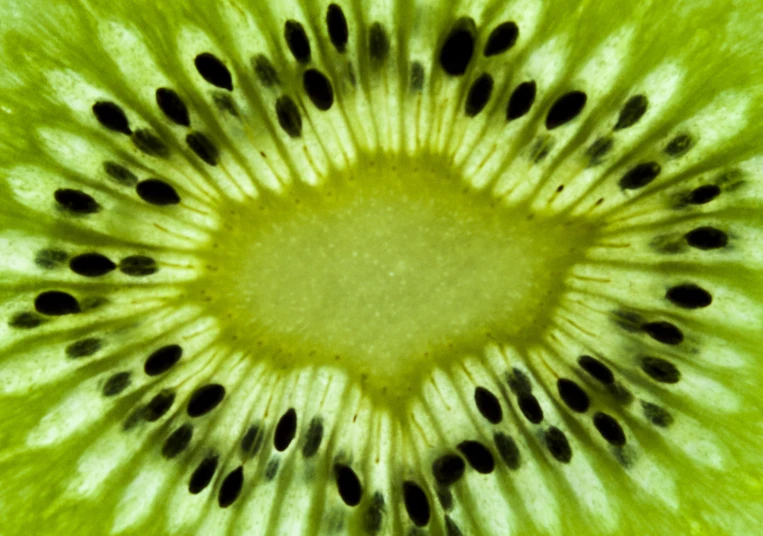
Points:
(374, 270)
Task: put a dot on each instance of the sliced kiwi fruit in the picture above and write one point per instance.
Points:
(360, 267)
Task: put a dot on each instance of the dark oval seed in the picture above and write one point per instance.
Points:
(478, 456)
(507, 449)
(519, 382)
(138, 266)
(633, 110)
(448, 469)
(117, 383)
(502, 38)
(488, 405)
(214, 71)
(348, 485)
(56, 303)
(457, 51)
(337, 27)
(378, 44)
(706, 238)
(599, 149)
(679, 146)
(252, 440)
(557, 444)
(318, 88)
(289, 117)
(203, 474)
(200, 144)
(265, 71)
(565, 109)
(596, 369)
(372, 520)
(76, 201)
(50, 258)
(84, 348)
(689, 296)
(640, 176)
(703, 194)
(657, 415)
(120, 173)
(150, 143)
(313, 438)
(664, 332)
(26, 320)
(609, 428)
(158, 406)
(416, 503)
(573, 395)
(285, 430)
(173, 106)
(660, 370)
(521, 100)
(205, 398)
(91, 265)
(230, 489)
(417, 76)
(530, 408)
(163, 359)
(112, 117)
(177, 441)
(272, 469)
(479, 95)
(296, 40)
(157, 192)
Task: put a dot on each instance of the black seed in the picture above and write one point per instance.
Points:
(252, 440)
(599, 149)
(138, 266)
(609, 428)
(337, 26)
(348, 485)
(660, 370)
(120, 173)
(703, 194)
(633, 110)
(265, 71)
(502, 38)
(507, 449)
(285, 430)
(76, 201)
(297, 41)
(272, 469)
(200, 144)
(177, 441)
(203, 474)
(205, 398)
(478, 456)
(84, 348)
(679, 145)
(117, 383)
(488, 405)
(112, 117)
(521, 100)
(689, 296)
(530, 408)
(596, 369)
(231, 487)
(657, 415)
(378, 44)
(289, 117)
(416, 503)
(640, 175)
(451, 529)
(479, 95)
(157, 192)
(573, 395)
(519, 382)
(214, 71)
(56, 303)
(91, 265)
(50, 258)
(318, 88)
(26, 320)
(457, 51)
(173, 106)
(664, 332)
(417, 76)
(158, 406)
(150, 143)
(557, 444)
(374, 516)
(448, 469)
(313, 438)
(565, 109)
(163, 360)
(707, 238)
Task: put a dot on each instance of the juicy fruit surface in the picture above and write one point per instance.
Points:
(380, 268)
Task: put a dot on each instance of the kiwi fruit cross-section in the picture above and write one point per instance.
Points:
(397, 267)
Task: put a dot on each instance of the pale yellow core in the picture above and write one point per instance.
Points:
(387, 270)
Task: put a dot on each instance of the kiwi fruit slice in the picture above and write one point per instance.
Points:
(406, 267)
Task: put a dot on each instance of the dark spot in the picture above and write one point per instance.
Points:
(265, 71)
(530, 408)
(478, 456)
(664, 332)
(374, 516)
(348, 485)
(26, 320)
(200, 144)
(288, 116)
(596, 369)
(285, 430)
(565, 109)
(521, 100)
(112, 117)
(203, 474)
(706, 238)
(417, 77)
(689, 296)
(163, 359)
(177, 441)
(620, 393)
(519, 382)
(150, 143)
(679, 145)
(296, 40)
(230, 489)
(50, 258)
(117, 383)
(660, 370)
(138, 266)
(629, 321)
(609, 428)
(214, 71)
(458, 48)
(173, 106)
(56, 303)
(76, 201)
(157, 192)
(159, 405)
(448, 469)
(272, 469)
(657, 415)
(224, 103)
(633, 110)
(313, 437)
(252, 440)
(84, 348)
(416, 503)
(598, 150)
(337, 27)
(91, 265)
(479, 95)
(573, 395)
(378, 44)
(318, 88)
(205, 398)
(451, 529)
(488, 405)
(446, 498)
(507, 449)
(132, 420)
(557, 444)
(640, 175)
(703, 194)
(502, 38)
(120, 173)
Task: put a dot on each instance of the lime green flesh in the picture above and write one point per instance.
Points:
(380, 269)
